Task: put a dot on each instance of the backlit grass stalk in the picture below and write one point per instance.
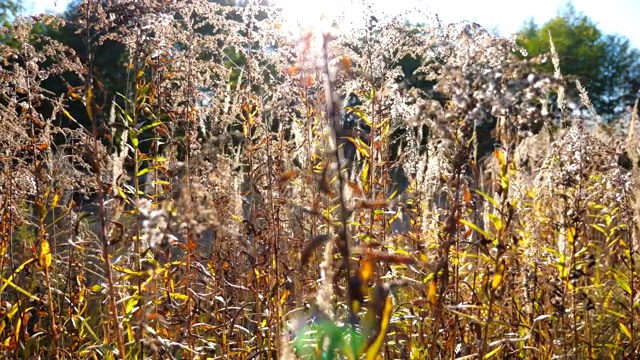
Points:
(448, 237)
(502, 225)
(91, 112)
(138, 104)
(189, 120)
(41, 199)
(333, 113)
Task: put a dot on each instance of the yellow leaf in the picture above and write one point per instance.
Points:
(8, 282)
(498, 276)
(493, 352)
(285, 296)
(366, 270)
(360, 114)
(571, 235)
(361, 146)
(432, 294)
(499, 155)
(364, 176)
(129, 331)
(74, 95)
(374, 348)
(45, 254)
(626, 331)
(18, 326)
(89, 102)
(562, 266)
(56, 199)
(496, 221)
(121, 193)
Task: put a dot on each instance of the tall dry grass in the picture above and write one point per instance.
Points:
(208, 210)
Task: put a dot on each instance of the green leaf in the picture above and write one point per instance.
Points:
(150, 126)
(355, 341)
(134, 140)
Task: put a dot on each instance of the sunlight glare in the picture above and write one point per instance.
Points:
(302, 16)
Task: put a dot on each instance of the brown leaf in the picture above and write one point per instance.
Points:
(355, 188)
(377, 255)
(287, 175)
(373, 204)
(324, 184)
(313, 244)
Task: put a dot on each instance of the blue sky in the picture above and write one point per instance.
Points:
(612, 16)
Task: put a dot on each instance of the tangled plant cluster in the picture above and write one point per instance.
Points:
(196, 202)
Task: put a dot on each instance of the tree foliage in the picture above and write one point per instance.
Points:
(8, 10)
(606, 65)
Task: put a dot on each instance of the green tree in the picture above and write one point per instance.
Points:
(8, 11)
(605, 64)
(620, 72)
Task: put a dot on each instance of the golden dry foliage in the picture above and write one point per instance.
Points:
(206, 195)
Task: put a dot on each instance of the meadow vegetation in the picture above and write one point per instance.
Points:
(205, 208)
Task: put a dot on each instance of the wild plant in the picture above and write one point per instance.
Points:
(225, 190)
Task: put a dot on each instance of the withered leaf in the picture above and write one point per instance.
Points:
(377, 255)
(287, 175)
(324, 184)
(373, 204)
